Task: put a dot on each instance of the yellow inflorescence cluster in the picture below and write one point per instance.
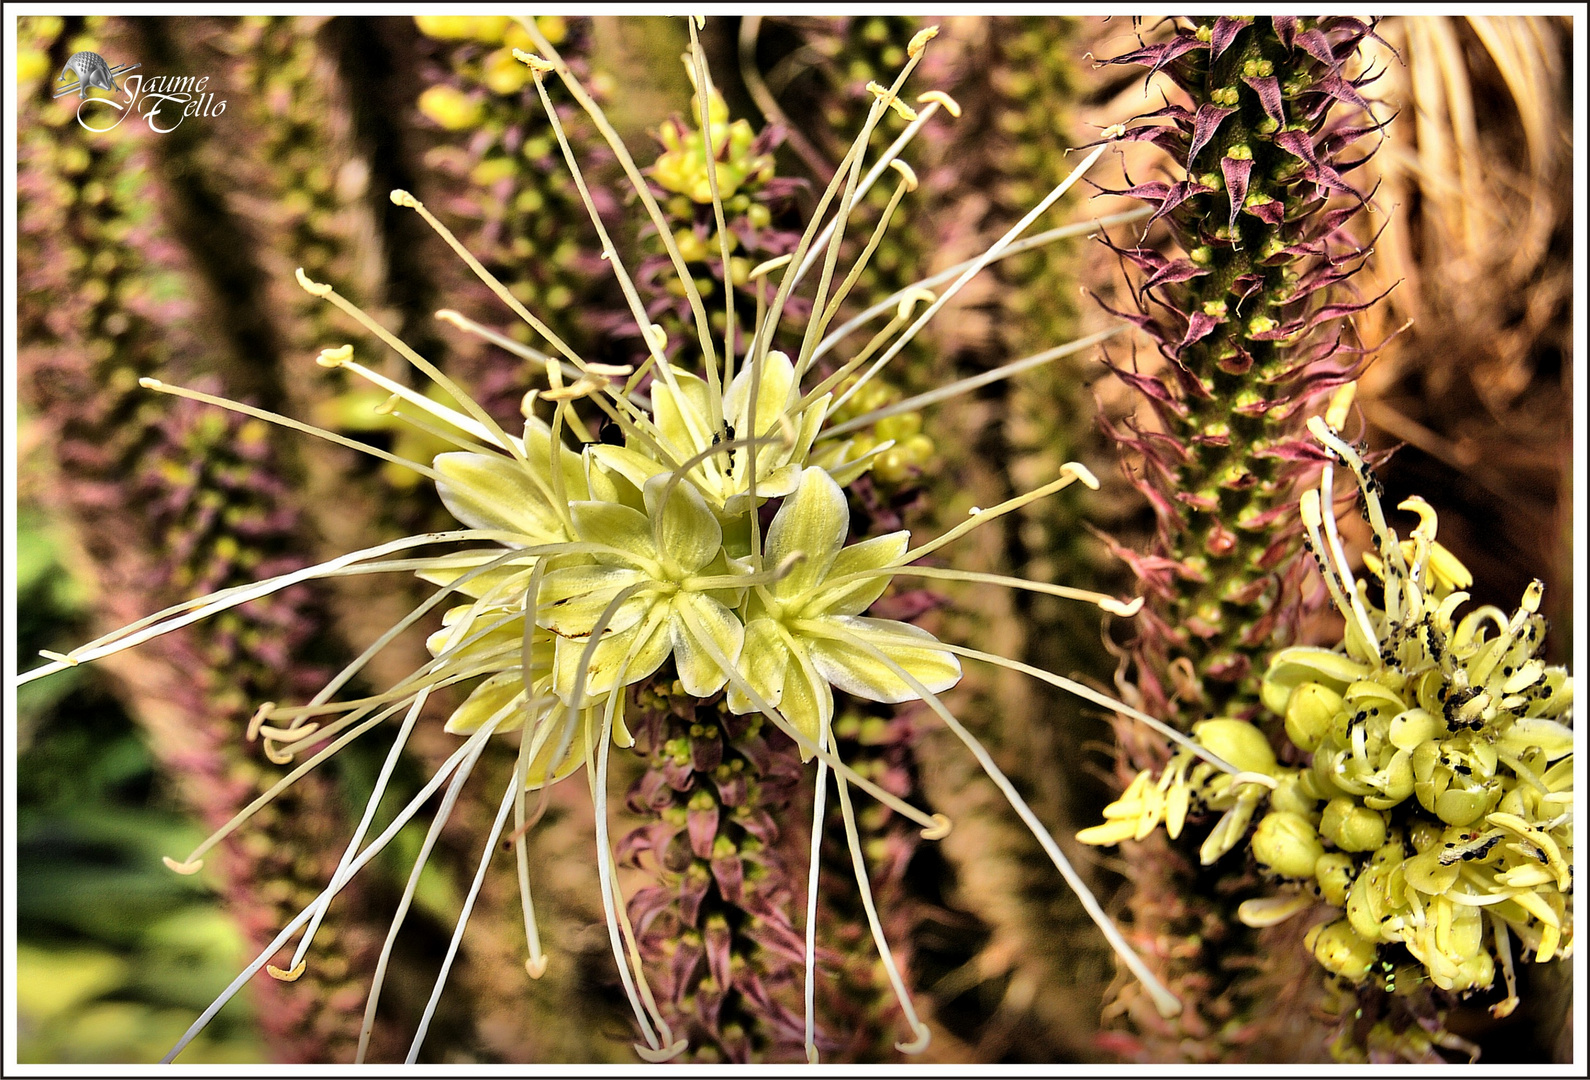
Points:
(912, 450)
(1437, 801)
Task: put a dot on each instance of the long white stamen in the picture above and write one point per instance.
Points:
(287, 422)
(375, 848)
(1164, 1001)
(819, 799)
(463, 921)
(1072, 472)
(704, 90)
(970, 272)
(340, 875)
(973, 382)
(1105, 602)
(857, 860)
(1038, 240)
(444, 812)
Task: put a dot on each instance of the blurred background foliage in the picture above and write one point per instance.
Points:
(173, 253)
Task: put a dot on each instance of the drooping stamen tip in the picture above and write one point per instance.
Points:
(939, 829)
(761, 270)
(1125, 609)
(403, 198)
(448, 315)
(147, 384)
(657, 337)
(1341, 401)
(1254, 778)
(389, 406)
(917, 1045)
(919, 42)
(335, 358)
(672, 1050)
(287, 976)
(891, 99)
(527, 403)
(1308, 507)
(535, 63)
(907, 174)
(313, 288)
(951, 106)
(186, 869)
(811, 1054)
(536, 966)
(1166, 1003)
(1081, 472)
(258, 719)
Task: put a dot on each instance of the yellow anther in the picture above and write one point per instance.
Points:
(535, 63)
(1427, 518)
(1080, 472)
(761, 270)
(184, 868)
(1125, 609)
(918, 1044)
(939, 829)
(1114, 131)
(612, 371)
(51, 654)
(656, 337)
(403, 198)
(1341, 401)
(448, 315)
(911, 299)
(919, 42)
(1308, 506)
(579, 389)
(389, 406)
(891, 99)
(282, 735)
(313, 288)
(281, 975)
(258, 718)
(536, 966)
(527, 403)
(906, 173)
(333, 358)
(951, 106)
(666, 1053)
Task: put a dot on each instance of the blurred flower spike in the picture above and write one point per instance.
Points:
(619, 530)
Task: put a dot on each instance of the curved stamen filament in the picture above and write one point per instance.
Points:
(1164, 1001)
(973, 382)
(375, 848)
(1072, 472)
(704, 91)
(970, 272)
(1105, 602)
(443, 814)
(859, 862)
(288, 422)
(819, 798)
(463, 921)
(1038, 240)
(934, 824)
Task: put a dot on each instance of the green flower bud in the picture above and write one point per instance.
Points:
(1292, 796)
(1238, 742)
(1309, 713)
(1341, 951)
(1334, 872)
(1352, 827)
(1287, 844)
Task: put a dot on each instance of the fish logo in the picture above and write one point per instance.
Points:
(90, 71)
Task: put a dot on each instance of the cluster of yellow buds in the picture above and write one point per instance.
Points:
(500, 72)
(1438, 795)
(911, 451)
(682, 168)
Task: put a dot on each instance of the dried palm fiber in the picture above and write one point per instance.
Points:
(103, 262)
(1476, 184)
(1475, 180)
